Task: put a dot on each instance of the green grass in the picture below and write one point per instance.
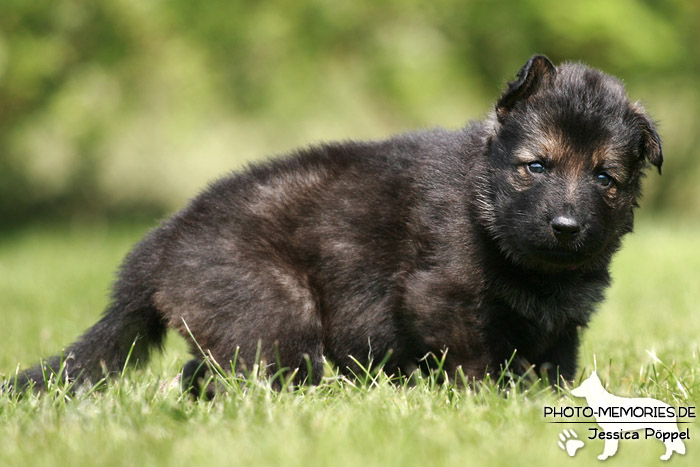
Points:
(53, 285)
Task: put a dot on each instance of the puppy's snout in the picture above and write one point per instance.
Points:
(565, 227)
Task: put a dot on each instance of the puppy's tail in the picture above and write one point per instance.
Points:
(129, 329)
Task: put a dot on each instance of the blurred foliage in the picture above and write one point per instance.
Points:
(132, 105)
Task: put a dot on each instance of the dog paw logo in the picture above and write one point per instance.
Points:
(623, 418)
(569, 442)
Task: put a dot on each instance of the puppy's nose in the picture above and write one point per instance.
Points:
(565, 227)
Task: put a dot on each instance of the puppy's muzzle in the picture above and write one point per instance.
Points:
(565, 227)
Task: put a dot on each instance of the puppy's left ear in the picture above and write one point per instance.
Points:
(650, 145)
(537, 71)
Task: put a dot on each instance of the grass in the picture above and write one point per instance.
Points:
(643, 341)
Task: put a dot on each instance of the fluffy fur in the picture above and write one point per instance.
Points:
(477, 242)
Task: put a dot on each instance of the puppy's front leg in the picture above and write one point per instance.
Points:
(560, 360)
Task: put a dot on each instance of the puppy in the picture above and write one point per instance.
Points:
(475, 244)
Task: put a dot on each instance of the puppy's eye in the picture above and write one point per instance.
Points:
(605, 180)
(535, 167)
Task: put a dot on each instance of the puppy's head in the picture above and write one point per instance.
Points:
(565, 162)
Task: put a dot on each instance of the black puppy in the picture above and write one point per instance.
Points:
(479, 242)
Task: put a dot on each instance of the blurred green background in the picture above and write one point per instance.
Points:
(128, 107)
(115, 112)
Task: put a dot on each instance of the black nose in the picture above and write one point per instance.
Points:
(565, 227)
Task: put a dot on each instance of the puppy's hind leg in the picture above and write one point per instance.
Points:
(282, 327)
(263, 318)
(193, 377)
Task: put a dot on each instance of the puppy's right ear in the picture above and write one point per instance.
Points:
(650, 146)
(538, 70)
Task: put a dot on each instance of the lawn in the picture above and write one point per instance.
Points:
(53, 284)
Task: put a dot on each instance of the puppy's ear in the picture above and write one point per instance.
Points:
(650, 145)
(537, 70)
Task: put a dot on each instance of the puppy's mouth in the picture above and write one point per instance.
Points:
(561, 258)
(554, 257)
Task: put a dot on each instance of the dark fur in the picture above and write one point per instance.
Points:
(429, 241)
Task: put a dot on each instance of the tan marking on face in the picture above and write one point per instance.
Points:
(599, 156)
(562, 156)
(522, 178)
(566, 159)
(524, 155)
(552, 149)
